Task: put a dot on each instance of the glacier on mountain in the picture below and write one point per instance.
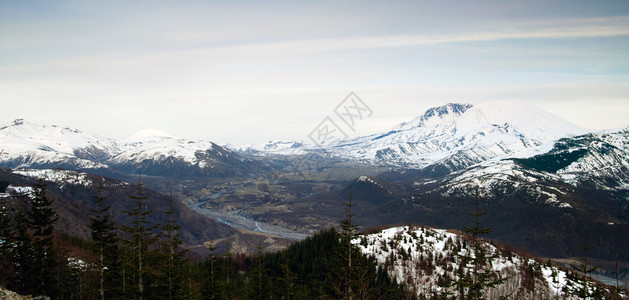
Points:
(463, 135)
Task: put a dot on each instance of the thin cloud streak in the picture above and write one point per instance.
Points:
(567, 31)
(575, 28)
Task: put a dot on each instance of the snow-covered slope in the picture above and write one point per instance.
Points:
(24, 144)
(271, 147)
(460, 135)
(27, 145)
(596, 160)
(160, 148)
(431, 260)
(600, 159)
(60, 177)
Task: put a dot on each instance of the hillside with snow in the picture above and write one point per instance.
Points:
(595, 161)
(430, 262)
(271, 147)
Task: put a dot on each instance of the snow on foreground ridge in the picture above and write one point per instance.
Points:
(58, 176)
(429, 260)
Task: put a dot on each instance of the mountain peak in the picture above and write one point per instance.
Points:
(436, 114)
(17, 122)
(151, 133)
(464, 134)
(450, 108)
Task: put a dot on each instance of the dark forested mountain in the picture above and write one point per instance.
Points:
(74, 193)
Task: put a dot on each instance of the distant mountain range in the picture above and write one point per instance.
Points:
(542, 179)
(27, 145)
(454, 135)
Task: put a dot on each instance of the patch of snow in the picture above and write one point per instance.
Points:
(420, 256)
(565, 205)
(12, 190)
(60, 177)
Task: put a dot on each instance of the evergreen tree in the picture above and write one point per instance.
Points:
(350, 277)
(585, 269)
(104, 235)
(174, 256)
(210, 286)
(288, 279)
(618, 289)
(481, 276)
(6, 244)
(141, 237)
(42, 217)
(23, 256)
(259, 279)
(227, 284)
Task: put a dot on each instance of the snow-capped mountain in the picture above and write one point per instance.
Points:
(163, 155)
(271, 147)
(460, 135)
(27, 145)
(430, 260)
(543, 203)
(24, 144)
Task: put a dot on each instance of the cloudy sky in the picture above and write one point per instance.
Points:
(250, 71)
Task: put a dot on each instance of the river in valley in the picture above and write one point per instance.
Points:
(235, 220)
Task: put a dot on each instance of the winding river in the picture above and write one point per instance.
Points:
(240, 222)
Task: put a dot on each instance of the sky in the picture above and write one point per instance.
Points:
(245, 72)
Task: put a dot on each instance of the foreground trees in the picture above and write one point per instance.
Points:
(31, 260)
(473, 284)
(105, 237)
(144, 260)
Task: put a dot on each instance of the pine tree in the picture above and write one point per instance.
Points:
(41, 220)
(288, 279)
(349, 276)
(586, 270)
(226, 285)
(481, 276)
(103, 233)
(174, 256)
(210, 288)
(23, 256)
(259, 280)
(141, 237)
(6, 244)
(618, 289)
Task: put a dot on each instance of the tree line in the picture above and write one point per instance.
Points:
(144, 260)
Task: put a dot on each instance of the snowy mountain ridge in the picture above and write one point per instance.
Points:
(462, 135)
(279, 147)
(454, 135)
(596, 160)
(27, 145)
